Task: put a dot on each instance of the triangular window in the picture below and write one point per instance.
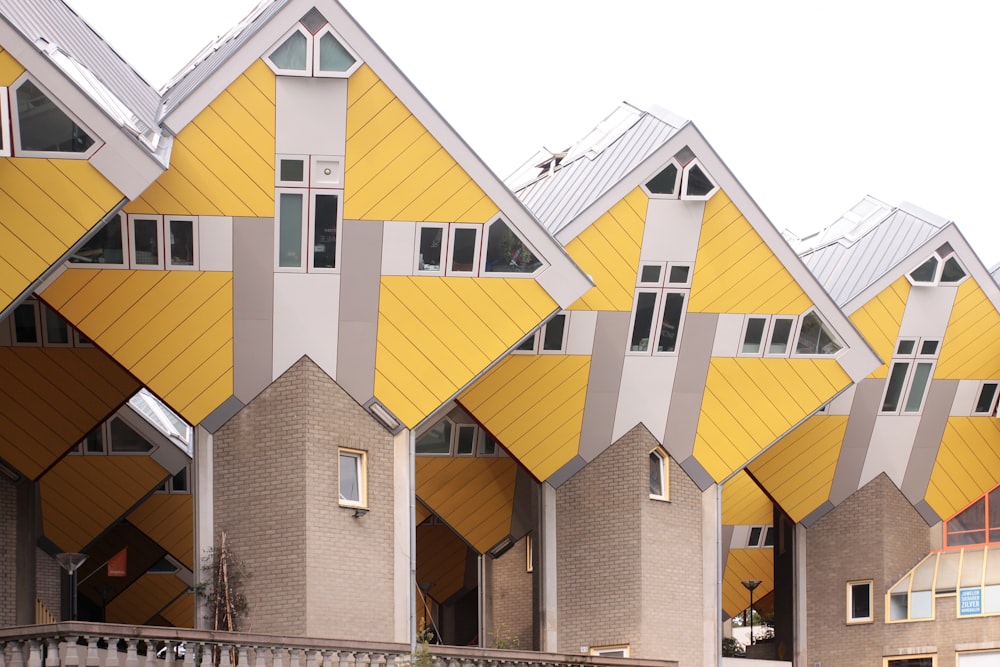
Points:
(302, 52)
(333, 56)
(952, 272)
(292, 55)
(926, 272)
(507, 253)
(815, 337)
(666, 182)
(43, 127)
(940, 268)
(697, 184)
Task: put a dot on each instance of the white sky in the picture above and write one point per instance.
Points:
(811, 105)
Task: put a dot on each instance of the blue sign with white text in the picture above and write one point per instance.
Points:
(970, 601)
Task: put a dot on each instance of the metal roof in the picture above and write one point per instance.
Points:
(59, 33)
(573, 180)
(864, 245)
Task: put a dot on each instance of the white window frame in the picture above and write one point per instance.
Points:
(308, 71)
(43, 316)
(857, 620)
(161, 251)
(540, 338)
(740, 352)
(360, 458)
(800, 320)
(122, 219)
(306, 170)
(657, 283)
(942, 259)
(534, 338)
(484, 243)
(451, 439)
(913, 360)
(195, 255)
(455, 438)
(5, 134)
(769, 336)
(452, 229)
(38, 325)
(664, 474)
(993, 401)
(315, 55)
(312, 193)
(673, 265)
(15, 122)
(657, 292)
(677, 182)
(660, 308)
(619, 651)
(304, 223)
(686, 177)
(445, 255)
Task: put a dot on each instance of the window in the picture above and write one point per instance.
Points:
(690, 182)
(352, 478)
(507, 253)
(446, 438)
(859, 602)
(909, 376)
(125, 440)
(307, 213)
(55, 329)
(332, 58)
(105, 247)
(436, 440)
(663, 274)
(550, 338)
(306, 52)
(657, 318)
(42, 128)
(979, 523)
(610, 651)
(26, 325)
(814, 337)
(659, 480)
(986, 402)
(760, 537)
(4, 122)
(182, 242)
(667, 182)
(447, 249)
(911, 661)
(941, 268)
(146, 235)
(767, 335)
(696, 184)
(154, 242)
(431, 242)
(177, 484)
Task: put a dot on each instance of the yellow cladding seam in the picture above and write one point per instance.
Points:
(970, 349)
(435, 334)
(879, 321)
(53, 396)
(46, 205)
(74, 514)
(222, 163)
(744, 503)
(180, 612)
(144, 598)
(10, 69)
(395, 169)
(172, 329)
(798, 470)
(167, 519)
(741, 565)
(534, 405)
(736, 272)
(475, 496)
(441, 561)
(967, 464)
(608, 251)
(749, 402)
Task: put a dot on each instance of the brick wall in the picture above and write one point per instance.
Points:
(315, 569)
(629, 566)
(511, 598)
(876, 534)
(48, 581)
(8, 545)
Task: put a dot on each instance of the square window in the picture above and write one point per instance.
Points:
(182, 243)
(679, 274)
(650, 274)
(353, 469)
(463, 255)
(145, 241)
(859, 602)
(432, 241)
(291, 170)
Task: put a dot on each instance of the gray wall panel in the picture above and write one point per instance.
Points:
(604, 383)
(694, 357)
(253, 305)
(857, 439)
(933, 421)
(301, 101)
(360, 272)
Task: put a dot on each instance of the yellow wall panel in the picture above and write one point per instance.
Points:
(967, 465)
(475, 496)
(971, 349)
(441, 559)
(180, 612)
(608, 251)
(436, 334)
(392, 161)
(10, 69)
(750, 402)
(534, 405)
(741, 565)
(798, 470)
(744, 503)
(222, 163)
(879, 321)
(736, 272)
(168, 519)
(145, 598)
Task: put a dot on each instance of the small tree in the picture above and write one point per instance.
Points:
(227, 605)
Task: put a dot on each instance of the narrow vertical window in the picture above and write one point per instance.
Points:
(465, 440)
(658, 484)
(181, 243)
(859, 602)
(642, 321)
(325, 216)
(146, 242)
(291, 213)
(894, 387)
(352, 478)
(918, 387)
(555, 334)
(754, 335)
(987, 398)
(430, 250)
(464, 250)
(670, 323)
(26, 324)
(56, 328)
(781, 333)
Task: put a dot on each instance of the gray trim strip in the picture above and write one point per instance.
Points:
(253, 306)
(695, 356)
(857, 439)
(360, 276)
(218, 417)
(604, 384)
(561, 476)
(937, 409)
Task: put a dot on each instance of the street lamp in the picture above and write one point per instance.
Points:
(751, 584)
(71, 562)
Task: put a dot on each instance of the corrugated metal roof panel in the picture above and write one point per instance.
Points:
(557, 197)
(58, 24)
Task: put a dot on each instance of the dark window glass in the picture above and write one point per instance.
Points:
(431, 241)
(986, 395)
(814, 337)
(46, 127)
(182, 242)
(487, 445)
(753, 335)
(754, 539)
(971, 518)
(906, 347)
(910, 662)
(861, 601)
(679, 275)
(665, 182)
(780, 335)
(104, 247)
(897, 377)
(94, 442)
(644, 306)
(506, 253)
(655, 474)
(769, 537)
(25, 326)
(125, 440)
(466, 440)
(952, 271)
(650, 274)
(925, 272)
(698, 183)
(179, 483)
(325, 232)
(554, 330)
(292, 171)
(673, 308)
(528, 345)
(994, 498)
(928, 347)
(56, 328)
(437, 440)
(463, 249)
(147, 242)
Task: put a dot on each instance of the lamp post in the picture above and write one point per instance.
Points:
(71, 562)
(751, 584)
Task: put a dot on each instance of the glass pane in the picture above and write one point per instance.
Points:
(665, 182)
(292, 54)
(897, 607)
(814, 337)
(487, 445)
(861, 601)
(146, 241)
(655, 474)
(437, 439)
(994, 500)
(650, 274)
(644, 306)
(984, 404)
(104, 247)
(991, 599)
(921, 376)
(25, 327)
(679, 275)
(906, 346)
(952, 271)
(466, 440)
(673, 307)
(431, 240)
(125, 440)
(350, 488)
(754, 539)
(325, 232)
(769, 537)
(895, 386)
(506, 253)
(290, 211)
(971, 518)
(528, 345)
(753, 335)
(698, 184)
(926, 272)
(44, 126)
(179, 483)
(929, 347)
(333, 57)
(182, 242)
(292, 171)
(554, 330)
(921, 604)
(56, 328)
(94, 442)
(463, 249)
(780, 335)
